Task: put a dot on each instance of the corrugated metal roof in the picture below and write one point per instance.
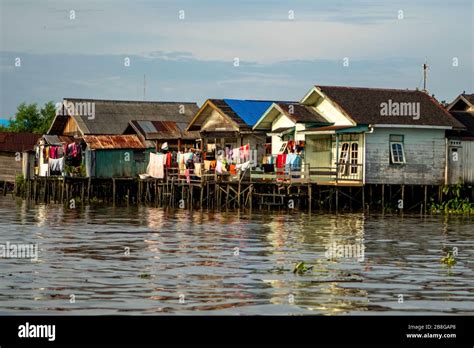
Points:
(57, 139)
(108, 142)
(18, 142)
(162, 130)
(112, 117)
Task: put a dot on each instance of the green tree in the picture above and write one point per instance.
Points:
(31, 120)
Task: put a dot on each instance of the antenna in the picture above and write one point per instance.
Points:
(144, 87)
(425, 76)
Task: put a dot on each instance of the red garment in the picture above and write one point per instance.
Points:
(281, 160)
(52, 152)
(168, 160)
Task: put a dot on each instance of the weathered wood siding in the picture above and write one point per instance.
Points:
(216, 122)
(9, 167)
(425, 153)
(71, 128)
(467, 159)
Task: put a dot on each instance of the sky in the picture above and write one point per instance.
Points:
(190, 50)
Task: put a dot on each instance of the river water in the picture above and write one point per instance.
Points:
(143, 260)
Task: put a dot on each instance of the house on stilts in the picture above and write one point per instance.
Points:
(112, 138)
(461, 142)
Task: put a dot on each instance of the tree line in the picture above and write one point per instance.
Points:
(30, 118)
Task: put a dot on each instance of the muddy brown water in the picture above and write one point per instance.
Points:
(145, 260)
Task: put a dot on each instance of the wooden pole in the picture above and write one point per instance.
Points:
(383, 198)
(403, 198)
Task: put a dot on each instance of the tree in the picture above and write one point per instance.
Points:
(31, 120)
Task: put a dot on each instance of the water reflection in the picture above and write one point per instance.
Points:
(144, 260)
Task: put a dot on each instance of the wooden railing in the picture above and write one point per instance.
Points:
(339, 173)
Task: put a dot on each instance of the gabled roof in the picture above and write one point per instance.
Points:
(467, 119)
(113, 116)
(242, 113)
(363, 105)
(18, 142)
(462, 102)
(296, 112)
(109, 142)
(469, 97)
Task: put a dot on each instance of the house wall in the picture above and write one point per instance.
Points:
(318, 150)
(281, 121)
(9, 166)
(118, 163)
(216, 122)
(331, 113)
(467, 158)
(425, 154)
(43, 168)
(71, 128)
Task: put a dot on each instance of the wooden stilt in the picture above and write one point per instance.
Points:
(383, 198)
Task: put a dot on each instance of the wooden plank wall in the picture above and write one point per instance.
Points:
(9, 167)
(425, 152)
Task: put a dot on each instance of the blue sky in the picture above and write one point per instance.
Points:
(192, 58)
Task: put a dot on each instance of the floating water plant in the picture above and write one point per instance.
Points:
(144, 276)
(301, 268)
(449, 259)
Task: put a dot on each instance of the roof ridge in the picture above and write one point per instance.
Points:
(372, 88)
(130, 101)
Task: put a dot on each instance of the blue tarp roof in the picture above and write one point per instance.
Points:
(4, 122)
(249, 110)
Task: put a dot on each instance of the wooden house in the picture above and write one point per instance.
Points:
(461, 142)
(115, 156)
(46, 145)
(285, 121)
(110, 129)
(375, 136)
(227, 123)
(16, 155)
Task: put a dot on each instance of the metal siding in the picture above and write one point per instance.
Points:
(111, 163)
(425, 153)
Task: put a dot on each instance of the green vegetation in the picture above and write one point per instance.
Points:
(455, 202)
(20, 184)
(301, 268)
(30, 119)
(449, 259)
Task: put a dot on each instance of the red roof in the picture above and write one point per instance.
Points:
(18, 142)
(102, 142)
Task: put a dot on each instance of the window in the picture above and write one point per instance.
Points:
(397, 152)
(354, 157)
(344, 158)
(283, 147)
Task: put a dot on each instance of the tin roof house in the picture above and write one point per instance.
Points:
(16, 155)
(117, 136)
(227, 123)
